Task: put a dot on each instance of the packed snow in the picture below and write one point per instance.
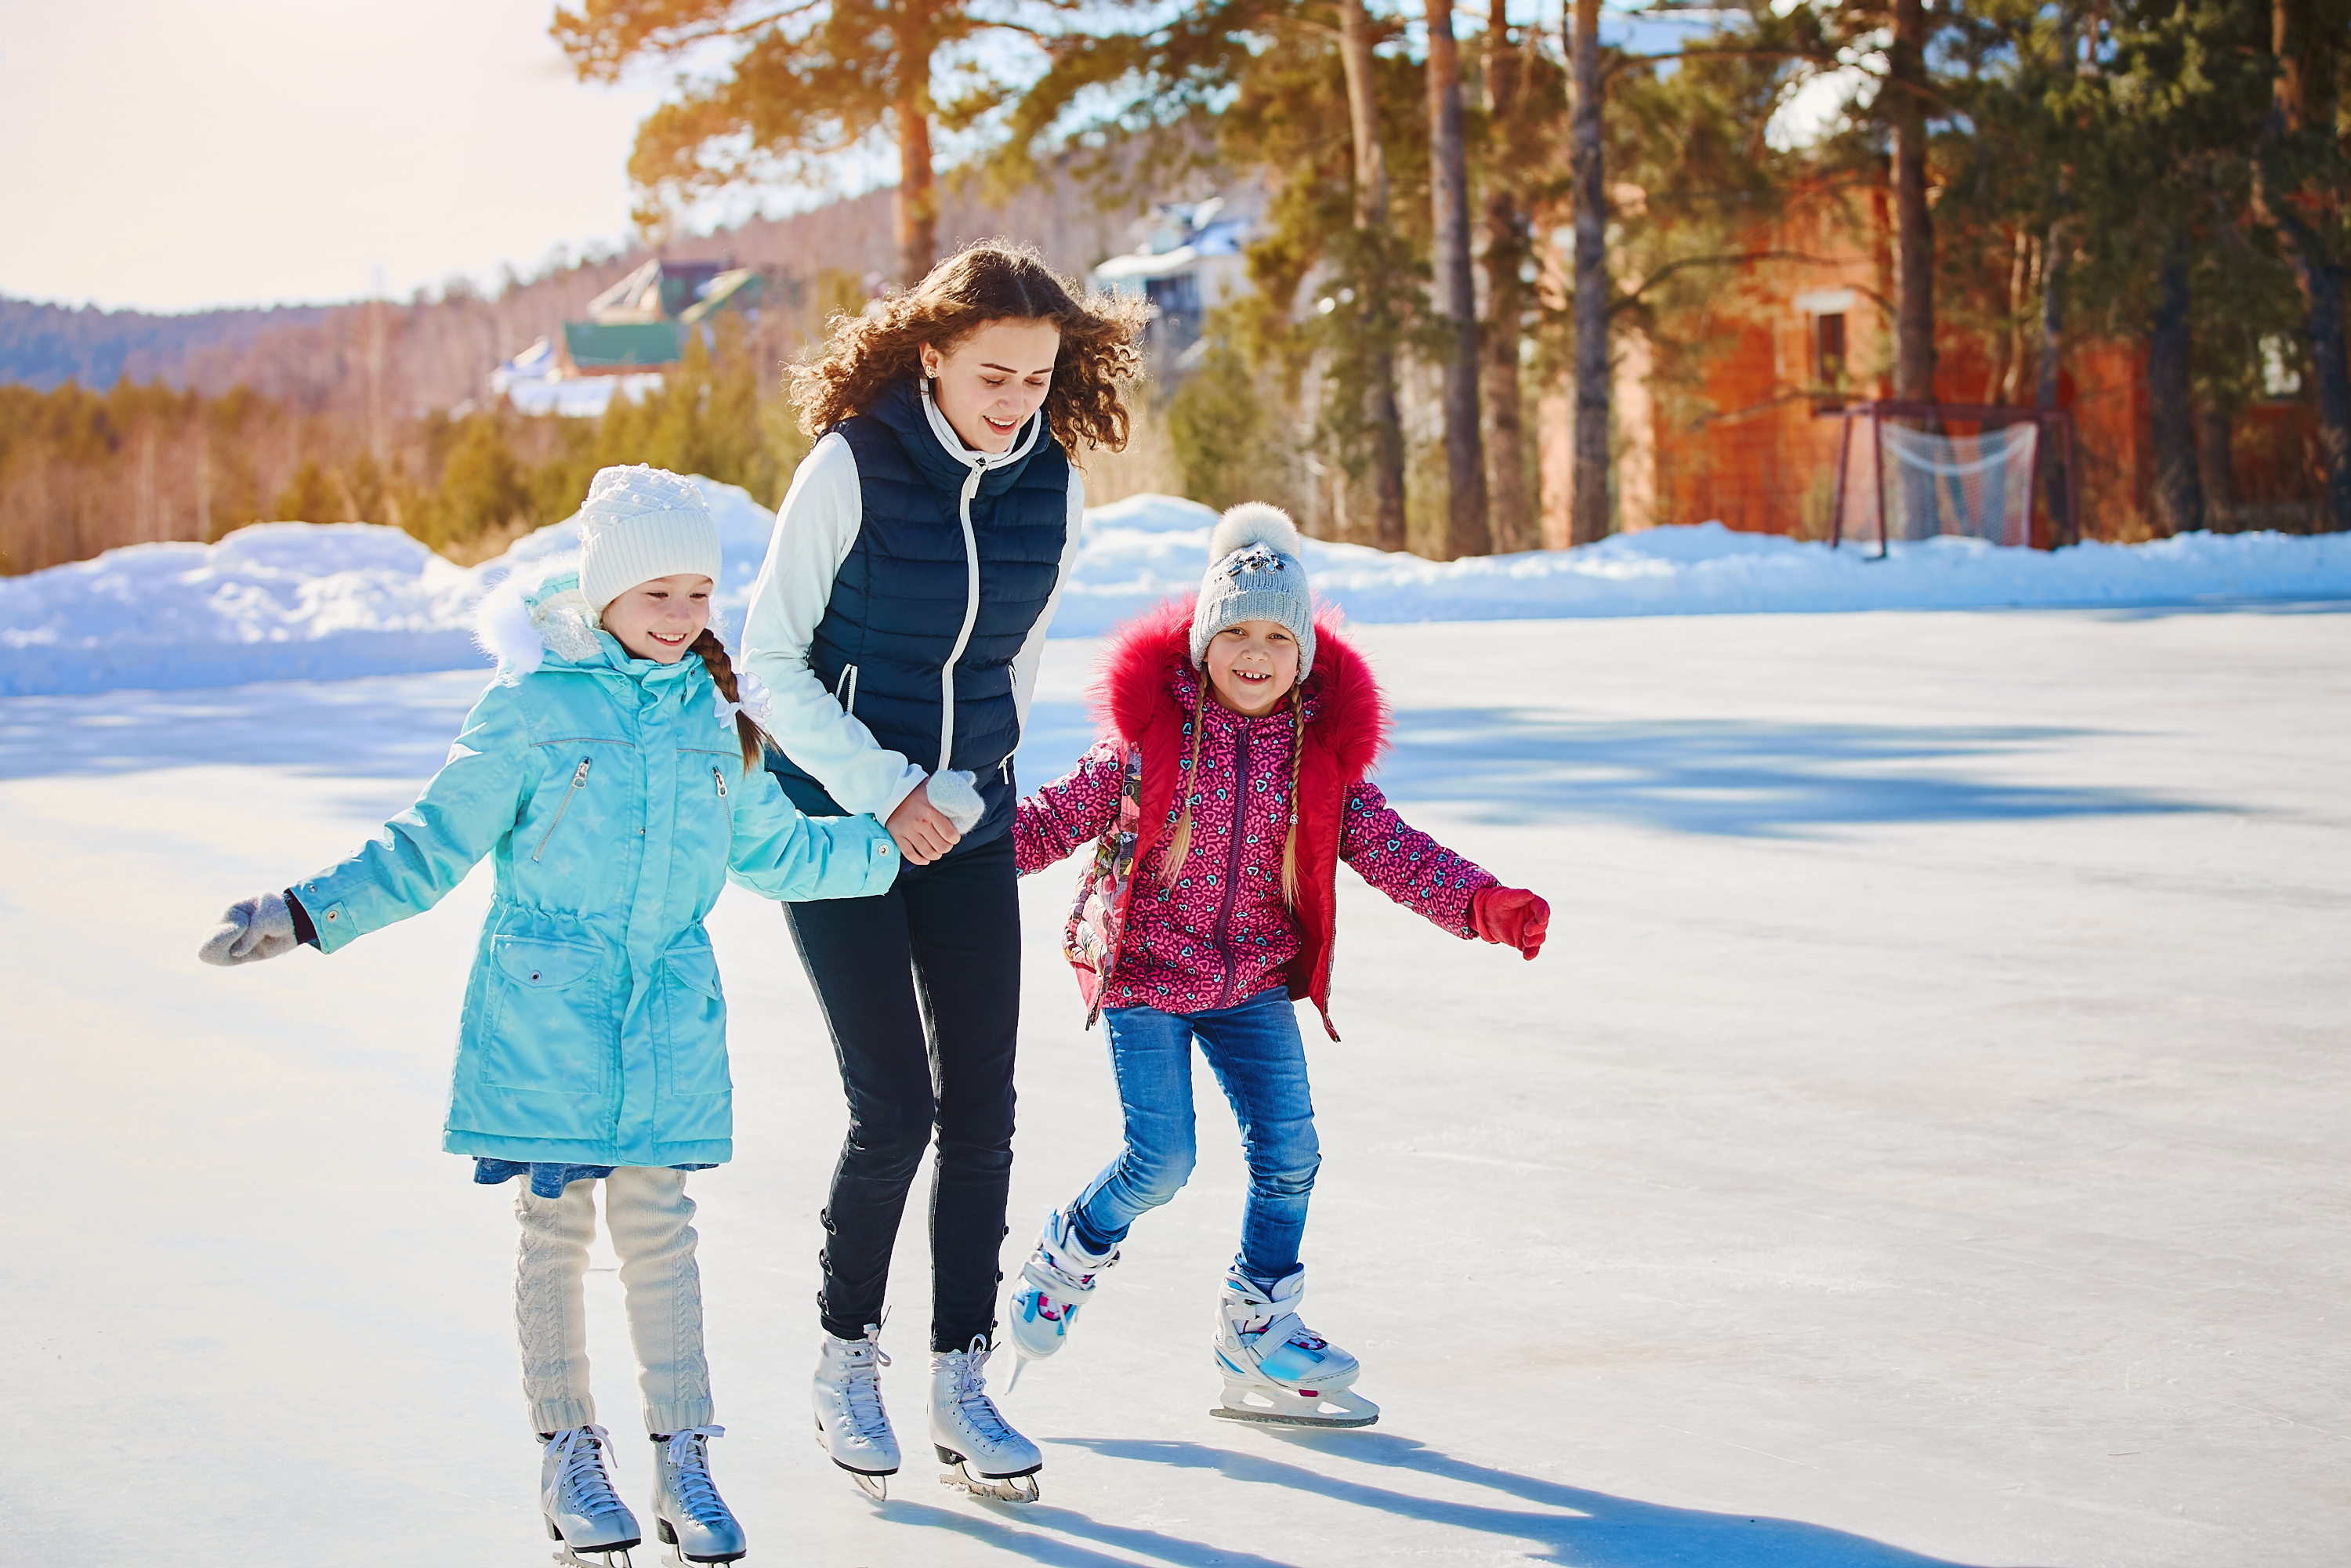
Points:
(286, 601)
(1920, 1144)
(289, 600)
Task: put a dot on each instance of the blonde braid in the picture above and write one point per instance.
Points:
(1297, 761)
(721, 675)
(1179, 842)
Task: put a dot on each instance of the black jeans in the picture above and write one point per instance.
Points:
(921, 987)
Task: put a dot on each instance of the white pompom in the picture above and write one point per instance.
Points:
(503, 630)
(1253, 522)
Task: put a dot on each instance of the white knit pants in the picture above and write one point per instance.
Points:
(650, 1220)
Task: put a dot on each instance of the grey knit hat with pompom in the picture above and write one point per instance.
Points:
(1256, 571)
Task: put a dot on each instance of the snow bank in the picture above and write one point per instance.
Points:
(274, 601)
(1151, 546)
(281, 600)
(286, 601)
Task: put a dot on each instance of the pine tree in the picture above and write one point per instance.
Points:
(1506, 164)
(1453, 295)
(1382, 417)
(801, 80)
(2301, 189)
(1592, 297)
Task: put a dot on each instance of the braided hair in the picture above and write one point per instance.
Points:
(721, 675)
(1179, 842)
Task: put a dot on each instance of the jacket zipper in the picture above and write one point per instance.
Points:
(845, 690)
(1233, 863)
(970, 617)
(579, 776)
(720, 779)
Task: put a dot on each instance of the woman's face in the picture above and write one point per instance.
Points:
(660, 619)
(989, 384)
(1253, 666)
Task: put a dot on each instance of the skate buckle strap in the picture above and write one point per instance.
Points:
(1070, 1285)
(689, 1452)
(1066, 1256)
(582, 1477)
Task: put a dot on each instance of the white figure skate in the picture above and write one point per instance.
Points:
(983, 1455)
(692, 1519)
(1277, 1370)
(851, 1425)
(583, 1512)
(1055, 1282)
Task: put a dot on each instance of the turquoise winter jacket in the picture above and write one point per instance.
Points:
(612, 794)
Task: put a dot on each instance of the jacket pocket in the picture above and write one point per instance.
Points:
(694, 1039)
(550, 1028)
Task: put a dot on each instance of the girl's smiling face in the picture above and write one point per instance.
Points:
(1252, 665)
(660, 619)
(993, 379)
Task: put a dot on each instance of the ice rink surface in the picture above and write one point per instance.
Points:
(1923, 1141)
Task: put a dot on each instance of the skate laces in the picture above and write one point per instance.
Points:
(689, 1455)
(860, 1391)
(969, 1396)
(582, 1477)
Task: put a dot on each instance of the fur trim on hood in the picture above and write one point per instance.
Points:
(1350, 716)
(536, 611)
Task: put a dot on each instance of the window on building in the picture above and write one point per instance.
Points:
(1828, 349)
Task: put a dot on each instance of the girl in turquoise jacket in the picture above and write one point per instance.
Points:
(615, 784)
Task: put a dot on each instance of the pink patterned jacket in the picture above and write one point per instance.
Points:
(1221, 932)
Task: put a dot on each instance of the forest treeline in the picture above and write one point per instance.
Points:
(1465, 214)
(86, 470)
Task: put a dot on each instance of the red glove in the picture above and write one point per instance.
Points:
(1513, 916)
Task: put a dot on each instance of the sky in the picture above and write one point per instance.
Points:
(163, 155)
(169, 156)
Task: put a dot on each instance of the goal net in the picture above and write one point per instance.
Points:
(1903, 474)
(1978, 486)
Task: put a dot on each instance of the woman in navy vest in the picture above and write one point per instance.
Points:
(897, 623)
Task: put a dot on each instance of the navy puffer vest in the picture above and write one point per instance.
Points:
(902, 598)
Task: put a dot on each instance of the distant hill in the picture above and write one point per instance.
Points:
(44, 346)
(415, 355)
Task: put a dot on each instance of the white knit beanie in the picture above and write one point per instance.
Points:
(1255, 572)
(640, 523)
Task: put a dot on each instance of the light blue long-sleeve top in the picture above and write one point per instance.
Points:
(610, 794)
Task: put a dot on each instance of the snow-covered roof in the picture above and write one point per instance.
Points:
(1137, 266)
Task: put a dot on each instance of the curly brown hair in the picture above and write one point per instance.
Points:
(993, 280)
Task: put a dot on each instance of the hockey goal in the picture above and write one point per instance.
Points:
(1925, 470)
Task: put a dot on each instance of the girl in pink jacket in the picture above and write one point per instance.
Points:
(1205, 918)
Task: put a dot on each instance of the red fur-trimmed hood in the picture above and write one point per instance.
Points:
(1134, 688)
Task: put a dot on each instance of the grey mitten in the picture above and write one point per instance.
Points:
(953, 795)
(250, 929)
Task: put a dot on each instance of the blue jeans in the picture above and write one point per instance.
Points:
(1254, 1050)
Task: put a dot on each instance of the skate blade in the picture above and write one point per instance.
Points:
(612, 1557)
(1336, 1407)
(1009, 1488)
(874, 1484)
(675, 1557)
